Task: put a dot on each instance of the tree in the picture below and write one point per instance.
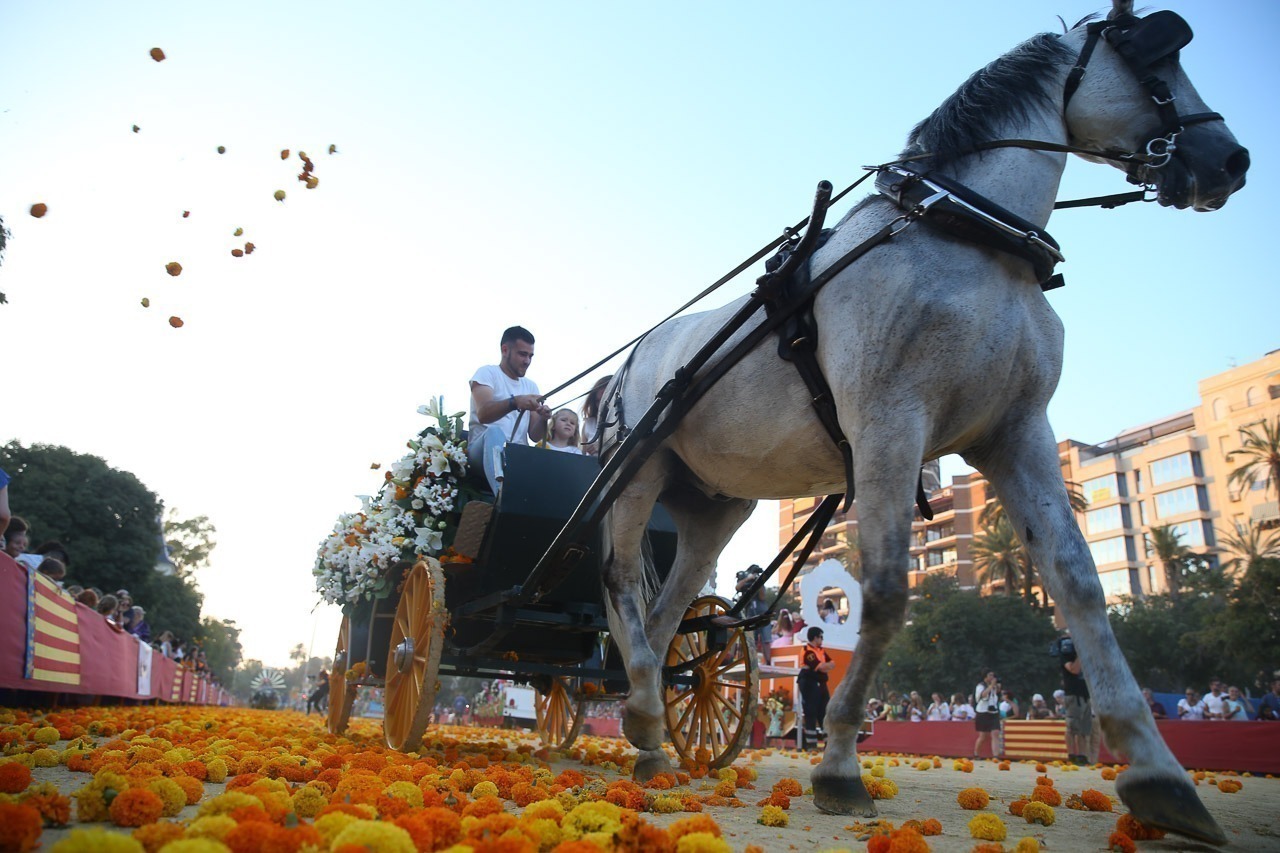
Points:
(4, 244)
(1165, 543)
(221, 643)
(998, 554)
(953, 635)
(1249, 546)
(190, 541)
(171, 603)
(990, 519)
(241, 684)
(1260, 457)
(107, 518)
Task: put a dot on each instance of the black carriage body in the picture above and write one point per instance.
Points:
(491, 614)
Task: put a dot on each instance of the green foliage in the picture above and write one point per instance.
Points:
(171, 603)
(1175, 558)
(221, 643)
(106, 518)
(1258, 456)
(190, 541)
(245, 673)
(955, 635)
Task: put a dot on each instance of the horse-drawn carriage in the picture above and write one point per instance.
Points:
(483, 619)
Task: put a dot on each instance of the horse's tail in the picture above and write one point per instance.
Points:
(650, 583)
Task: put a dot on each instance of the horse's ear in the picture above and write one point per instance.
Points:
(1120, 8)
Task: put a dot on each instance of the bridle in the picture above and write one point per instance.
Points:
(1142, 44)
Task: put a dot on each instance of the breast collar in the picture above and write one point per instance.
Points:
(957, 210)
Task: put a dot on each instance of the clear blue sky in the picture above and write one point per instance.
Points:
(580, 169)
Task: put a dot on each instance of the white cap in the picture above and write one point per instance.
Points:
(1058, 694)
(1037, 698)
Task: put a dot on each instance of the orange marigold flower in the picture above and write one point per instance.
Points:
(1040, 768)
(1121, 843)
(1045, 781)
(1048, 796)
(432, 828)
(696, 823)
(1109, 774)
(788, 786)
(662, 782)
(153, 836)
(988, 848)
(20, 828)
(973, 799)
(932, 826)
(14, 778)
(1229, 786)
(54, 808)
(136, 807)
(1095, 801)
(488, 805)
(1015, 807)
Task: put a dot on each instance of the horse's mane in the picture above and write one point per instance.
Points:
(1007, 89)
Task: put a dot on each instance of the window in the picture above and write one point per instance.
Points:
(1253, 396)
(1190, 533)
(1142, 512)
(1177, 501)
(1171, 468)
(1115, 583)
(1155, 576)
(942, 531)
(1111, 550)
(1137, 481)
(1100, 488)
(1102, 520)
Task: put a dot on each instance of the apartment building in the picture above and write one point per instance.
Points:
(1173, 471)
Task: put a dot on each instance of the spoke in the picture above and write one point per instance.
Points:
(685, 715)
(723, 701)
(680, 696)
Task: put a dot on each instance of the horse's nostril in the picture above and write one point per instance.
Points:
(1238, 163)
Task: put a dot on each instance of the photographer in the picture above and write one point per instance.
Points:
(986, 719)
(1081, 743)
(755, 607)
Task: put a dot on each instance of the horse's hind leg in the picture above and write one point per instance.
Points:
(886, 478)
(1022, 463)
(624, 581)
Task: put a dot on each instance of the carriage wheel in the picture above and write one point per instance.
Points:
(413, 659)
(342, 693)
(710, 720)
(560, 714)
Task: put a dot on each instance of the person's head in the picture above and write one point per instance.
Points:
(1059, 696)
(517, 351)
(591, 405)
(815, 635)
(1215, 686)
(564, 427)
(107, 606)
(166, 636)
(990, 677)
(15, 537)
(51, 548)
(937, 697)
(827, 606)
(1037, 700)
(1275, 686)
(1148, 695)
(1233, 692)
(74, 590)
(784, 621)
(89, 598)
(957, 699)
(1008, 694)
(136, 614)
(125, 600)
(52, 567)
(1191, 694)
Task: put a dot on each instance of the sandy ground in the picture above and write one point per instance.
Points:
(1251, 817)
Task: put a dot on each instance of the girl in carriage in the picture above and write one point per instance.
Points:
(562, 433)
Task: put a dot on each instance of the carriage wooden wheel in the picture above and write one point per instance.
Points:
(342, 693)
(560, 710)
(413, 658)
(710, 720)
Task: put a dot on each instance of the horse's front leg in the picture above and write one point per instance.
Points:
(1021, 461)
(886, 467)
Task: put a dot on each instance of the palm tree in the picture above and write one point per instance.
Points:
(993, 513)
(1171, 553)
(1260, 451)
(998, 554)
(1249, 546)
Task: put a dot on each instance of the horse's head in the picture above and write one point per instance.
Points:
(1128, 93)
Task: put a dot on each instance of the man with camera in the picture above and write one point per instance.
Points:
(755, 607)
(1082, 746)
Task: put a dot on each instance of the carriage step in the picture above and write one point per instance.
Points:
(471, 528)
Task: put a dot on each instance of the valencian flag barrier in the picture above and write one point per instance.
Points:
(1044, 740)
(53, 633)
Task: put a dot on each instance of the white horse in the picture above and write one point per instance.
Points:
(931, 345)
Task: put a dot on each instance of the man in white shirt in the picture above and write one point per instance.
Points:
(505, 406)
(1214, 706)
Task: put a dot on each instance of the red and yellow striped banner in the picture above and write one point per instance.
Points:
(1041, 739)
(53, 632)
(175, 692)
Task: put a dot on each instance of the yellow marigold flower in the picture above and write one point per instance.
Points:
(769, 816)
(727, 774)
(46, 735)
(333, 823)
(213, 826)
(375, 837)
(878, 771)
(96, 841)
(973, 799)
(987, 827)
(23, 758)
(178, 755)
(195, 845)
(702, 842)
(666, 804)
(1036, 812)
(923, 764)
(170, 793)
(308, 801)
(217, 769)
(46, 757)
(1027, 845)
(544, 809)
(591, 819)
(228, 801)
(483, 789)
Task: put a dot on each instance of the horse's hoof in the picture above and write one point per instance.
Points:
(843, 796)
(1171, 805)
(649, 763)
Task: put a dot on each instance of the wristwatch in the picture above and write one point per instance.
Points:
(511, 402)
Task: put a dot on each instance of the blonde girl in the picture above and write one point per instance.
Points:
(562, 433)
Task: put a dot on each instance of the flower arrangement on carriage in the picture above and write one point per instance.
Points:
(777, 705)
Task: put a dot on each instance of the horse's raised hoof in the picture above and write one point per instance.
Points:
(842, 795)
(1171, 805)
(649, 763)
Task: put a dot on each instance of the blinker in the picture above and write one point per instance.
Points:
(1150, 39)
